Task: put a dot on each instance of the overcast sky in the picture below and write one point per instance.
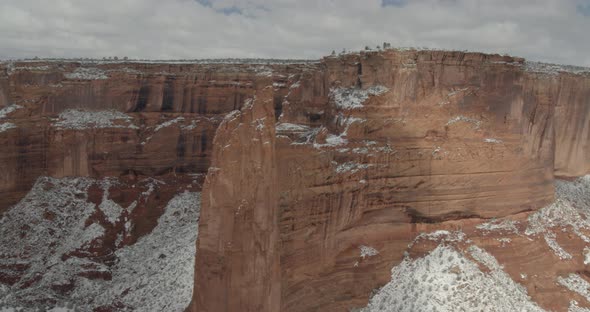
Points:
(546, 30)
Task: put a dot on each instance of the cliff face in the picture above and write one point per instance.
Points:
(571, 116)
(319, 175)
(373, 149)
(404, 139)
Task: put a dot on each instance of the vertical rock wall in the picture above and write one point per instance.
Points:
(237, 266)
(373, 148)
(572, 135)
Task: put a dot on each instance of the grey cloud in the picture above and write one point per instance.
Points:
(584, 7)
(545, 30)
(398, 3)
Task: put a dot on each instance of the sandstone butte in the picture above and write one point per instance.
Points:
(318, 177)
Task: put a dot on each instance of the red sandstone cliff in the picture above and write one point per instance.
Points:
(374, 146)
(354, 153)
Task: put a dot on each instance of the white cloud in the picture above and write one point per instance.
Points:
(546, 30)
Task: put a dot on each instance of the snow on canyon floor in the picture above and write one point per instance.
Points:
(48, 259)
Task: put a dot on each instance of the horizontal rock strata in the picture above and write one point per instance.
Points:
(319, 174)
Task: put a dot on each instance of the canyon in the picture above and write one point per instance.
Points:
(311, 184)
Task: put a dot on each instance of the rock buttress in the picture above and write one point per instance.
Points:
(237, 265)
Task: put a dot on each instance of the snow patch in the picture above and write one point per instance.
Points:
(455, 92)
(340, 120)
(151, 184)
(111, 210)
(445, 280)
(159, 268)
(9, 110)
(230, 61)
(493, 141)
(259, 123)
(192, 126)
(79, 120)
(352, 167)
(574, 307)
(87, 73)
(571, 209)
(351, 98)
(502, 226)
(11, 309)
(554, 69)
(368, 251)
(232, 115)
(6, 126)
(168, 123)
(289, 127)
(263, 71)
(577, 284)
(557, 250)
(334, 140)
(440, 236)
(476, 123)
(29, 68)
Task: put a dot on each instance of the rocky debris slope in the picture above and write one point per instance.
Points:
(59, 247)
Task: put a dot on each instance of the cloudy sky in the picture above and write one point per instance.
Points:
(546, 30)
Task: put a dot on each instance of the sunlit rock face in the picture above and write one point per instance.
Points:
(321, 175)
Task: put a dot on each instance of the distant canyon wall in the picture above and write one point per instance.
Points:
(135, 119)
